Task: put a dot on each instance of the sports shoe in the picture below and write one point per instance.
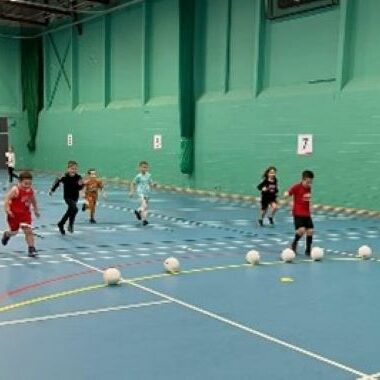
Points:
(271, 221)
(145, 222)
(5, 238)
(32, 252)
(260, 222)
(137, 214)
(307, 253)
(61, 229)
(70, 228)
(92, 221)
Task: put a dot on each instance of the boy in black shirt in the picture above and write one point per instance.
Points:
(72, 184)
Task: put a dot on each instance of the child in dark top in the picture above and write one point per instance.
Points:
(269, 190)
(72, 184)
(301, 193)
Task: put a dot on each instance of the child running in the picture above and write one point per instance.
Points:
(11, 164)
(142, 184)
(72, 184)
(92, 185)
(17, 204)
(301, 193)
(269, 190)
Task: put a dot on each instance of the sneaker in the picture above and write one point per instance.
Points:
(84, 206)
(92, 221)
(32, 252)
(145, 222)
(260, 222)
(70, 228)
(61, 229)
(138, 214)
(271, 221)
(5, 238)
(307, 253)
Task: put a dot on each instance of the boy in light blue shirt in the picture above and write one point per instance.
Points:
(142, 184)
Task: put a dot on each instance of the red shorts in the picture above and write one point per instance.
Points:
(19, 218)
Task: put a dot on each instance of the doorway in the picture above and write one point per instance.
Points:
(3, 141)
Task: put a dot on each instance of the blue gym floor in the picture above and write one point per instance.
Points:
(219, 319)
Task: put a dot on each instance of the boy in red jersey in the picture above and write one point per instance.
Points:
(17, 204)
(301, 193)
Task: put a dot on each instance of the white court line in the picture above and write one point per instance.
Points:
(81, 312)
(375, 376)
(230, 322)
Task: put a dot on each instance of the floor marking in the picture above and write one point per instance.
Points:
(82, 312)
(231, 323)
(375, 376)
(50, 297)
(346, 259)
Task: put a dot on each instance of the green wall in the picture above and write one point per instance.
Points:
(258, 83)
(11, 99)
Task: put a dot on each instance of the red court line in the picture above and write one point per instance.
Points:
(25, 288)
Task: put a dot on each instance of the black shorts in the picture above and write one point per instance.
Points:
(303, 221)
(265, 202)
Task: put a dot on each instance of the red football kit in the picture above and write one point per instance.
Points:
(20, 208)
(301, 199)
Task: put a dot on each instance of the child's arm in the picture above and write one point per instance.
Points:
(35, 207)
(55, 185)
(82, 191)
(131, 188)
(288, 194)
(261, 186)
(7, 200)
(81, 183)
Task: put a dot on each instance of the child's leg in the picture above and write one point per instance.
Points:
(10, 174)
(73, 210)
(6, 236)
(143, 209)
(29, 238)
(309, 241)
(274, 208)
(92, 211)
(262, 212)
(14, 225)
(298, 235)
(66, 215)
(70, 214)
(92, 207)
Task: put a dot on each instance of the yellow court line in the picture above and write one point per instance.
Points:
(50, 297)
(71, 292)
(189, 271)
(98, 286)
